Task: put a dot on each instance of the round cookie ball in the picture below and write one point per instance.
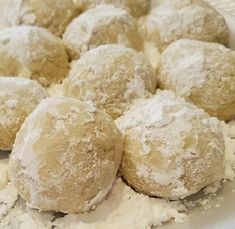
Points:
(105, 24)
(172, 149)
(191, 19)
(34, 53)
(203, 73)
(137, 8)
(53, 15)
(66, 156)
(18, 98)
(111, 76)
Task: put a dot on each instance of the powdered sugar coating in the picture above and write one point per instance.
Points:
(111, 76)
(105, 24)
(203, 73)
(53, 15)
(191, 19)
(18, 97)
(66, 156)
(136, 8)
(172, 149)
(34, 53)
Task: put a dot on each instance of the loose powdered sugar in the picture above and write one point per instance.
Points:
(8, 198)
(123, 210)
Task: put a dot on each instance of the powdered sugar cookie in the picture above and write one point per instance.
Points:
(53, 15)
(172, 148)
(111, 76)
(191, 19)
(66, 156)
(105, 24)
(203, 73)
(18, 97)
(34, 53)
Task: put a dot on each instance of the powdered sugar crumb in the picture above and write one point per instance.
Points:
(8, 198)
(123, 209)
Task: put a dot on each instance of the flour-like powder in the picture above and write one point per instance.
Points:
(124, 208)
(3, 173)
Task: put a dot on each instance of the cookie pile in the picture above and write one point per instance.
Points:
(156, 125)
